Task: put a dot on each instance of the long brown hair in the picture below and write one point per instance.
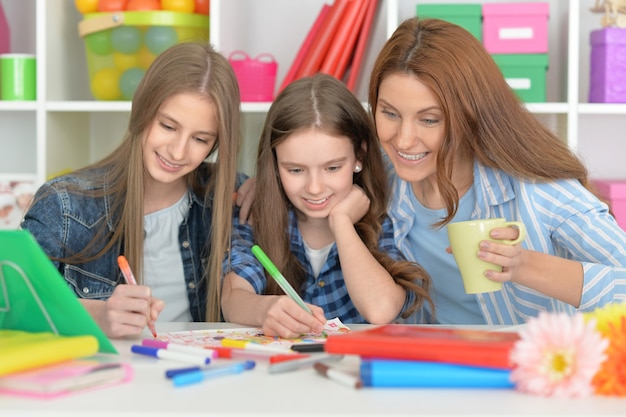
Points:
(484, 118)
(184, 68)
(324, 103)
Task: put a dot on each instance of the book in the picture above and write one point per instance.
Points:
(323, 39)
(65, 378)
(22, 350)
(427, 343)
(359, 52)
(342, 40)
(34, 296)
(348, 52)
(418, 374)
(304, 48)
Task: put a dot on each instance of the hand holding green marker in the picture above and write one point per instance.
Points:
(278, 277)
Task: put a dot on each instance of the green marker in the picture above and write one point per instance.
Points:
(278, 277)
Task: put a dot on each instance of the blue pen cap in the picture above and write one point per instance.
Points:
(144, 350)
(171, 373)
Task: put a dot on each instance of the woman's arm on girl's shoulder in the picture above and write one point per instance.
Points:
(244, 199)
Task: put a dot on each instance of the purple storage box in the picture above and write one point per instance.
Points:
(608, 66)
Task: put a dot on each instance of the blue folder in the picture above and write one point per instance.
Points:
(403, 373)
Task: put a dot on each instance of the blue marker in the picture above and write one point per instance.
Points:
(170, 354)
(194, 377)
(171, 373)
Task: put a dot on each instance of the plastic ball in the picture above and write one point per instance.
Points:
(203, 6)
(112, 5)
(126, 39)
(137, 5)
(125, 61)
(185, 6)
(145, 57)
(129, 81)
(99, 43)
(105, 84)
(159, 38)
(86, 6)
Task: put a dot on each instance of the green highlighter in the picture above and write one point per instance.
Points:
(278, 277)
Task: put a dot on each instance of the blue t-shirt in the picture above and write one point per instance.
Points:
(453, 305)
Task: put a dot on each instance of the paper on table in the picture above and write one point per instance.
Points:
(213, 337)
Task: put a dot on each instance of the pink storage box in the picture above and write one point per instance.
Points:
(614, 191)
(516, 28)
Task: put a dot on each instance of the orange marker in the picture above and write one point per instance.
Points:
(130, 280)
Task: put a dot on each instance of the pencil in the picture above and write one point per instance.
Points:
(130, 280)
(278, 277)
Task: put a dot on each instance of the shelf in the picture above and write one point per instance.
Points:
(65, 128)
(88, 106)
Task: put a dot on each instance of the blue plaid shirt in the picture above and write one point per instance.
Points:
(327, 291)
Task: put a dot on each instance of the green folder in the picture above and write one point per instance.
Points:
(34, 296)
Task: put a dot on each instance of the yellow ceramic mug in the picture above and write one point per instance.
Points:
(465, 238)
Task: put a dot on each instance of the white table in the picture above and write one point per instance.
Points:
(297, 393)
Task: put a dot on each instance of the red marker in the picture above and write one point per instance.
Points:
(130, 280)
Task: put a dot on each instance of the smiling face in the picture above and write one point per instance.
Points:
(410, 126)
(179, 139)
(316, 170)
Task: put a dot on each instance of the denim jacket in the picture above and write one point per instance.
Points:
(65, 223)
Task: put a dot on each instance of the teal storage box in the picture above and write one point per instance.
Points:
(525, 74)
(468, 16)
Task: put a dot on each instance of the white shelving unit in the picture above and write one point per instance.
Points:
(65, 128)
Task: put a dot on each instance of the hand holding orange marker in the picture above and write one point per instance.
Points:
(130, 280)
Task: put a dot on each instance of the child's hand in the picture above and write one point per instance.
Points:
(128, 311)
(285, 318)
(354, 206)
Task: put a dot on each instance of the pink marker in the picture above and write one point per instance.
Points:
(161, 344)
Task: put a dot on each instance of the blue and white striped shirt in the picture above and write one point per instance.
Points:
(328, 290)
(562, 218)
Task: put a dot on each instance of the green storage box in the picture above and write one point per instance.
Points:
(525, 74)
(468, 16)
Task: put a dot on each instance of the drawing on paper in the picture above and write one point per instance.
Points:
(213, 337)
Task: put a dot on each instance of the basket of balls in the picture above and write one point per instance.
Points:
(123, 37)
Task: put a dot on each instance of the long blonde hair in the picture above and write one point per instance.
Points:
(484, 118)
(184, 68)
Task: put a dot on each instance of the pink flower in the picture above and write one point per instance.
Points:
(557, 355)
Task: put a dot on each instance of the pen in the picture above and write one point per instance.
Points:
(243, 344)
(235, 353)
(130, 280)
(298, 363)
(192, 350)
(308, 347)
(278, 277)
(170, 354)
(338, 376)
(171, 373)
(193, 377)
